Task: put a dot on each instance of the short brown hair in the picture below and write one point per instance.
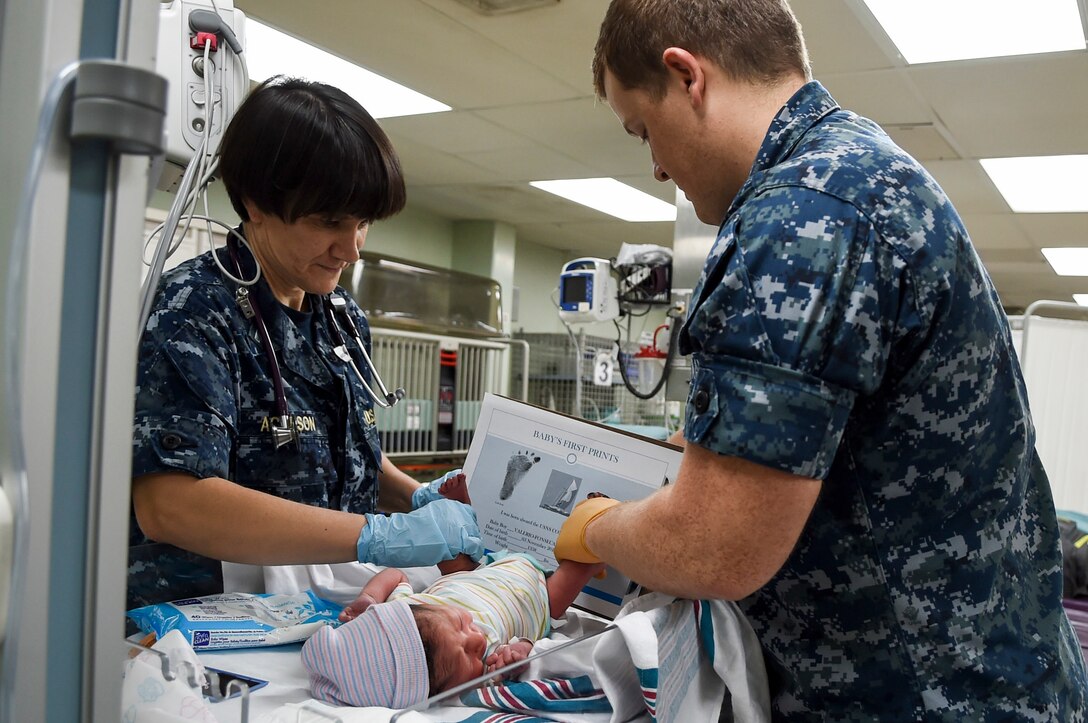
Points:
(298, 148)
(758, 41)
(426, 617)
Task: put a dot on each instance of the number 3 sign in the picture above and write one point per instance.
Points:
(603, 369)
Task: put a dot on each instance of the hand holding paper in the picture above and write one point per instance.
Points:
(571, 543)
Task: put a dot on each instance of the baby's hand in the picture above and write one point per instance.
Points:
(356, 607)
(507, 654)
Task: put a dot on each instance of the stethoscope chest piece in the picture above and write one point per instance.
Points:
(337, 310)
(282, 434)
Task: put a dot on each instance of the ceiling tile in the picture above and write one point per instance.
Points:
(968, 186)
(1055, 229)
(449, 202)
(418, 46)
(1027, 105)
(510, 203)
(885, 96)
(923, 141)
(424, 165)
(561, 40)
(454, 132)
(1027, 259)
(839, 37)
(996, 232)
(582, 128)
(535, 163)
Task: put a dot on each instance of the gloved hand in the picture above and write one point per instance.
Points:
(571, 543)
(429, 492)
(421, 537)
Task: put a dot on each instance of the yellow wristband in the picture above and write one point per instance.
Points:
(571, 543)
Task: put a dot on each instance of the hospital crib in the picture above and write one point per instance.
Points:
(444, 379)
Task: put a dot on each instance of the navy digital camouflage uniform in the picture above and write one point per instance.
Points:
(845, 330)
(205, 402)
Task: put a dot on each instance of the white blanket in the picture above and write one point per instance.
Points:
(675, 660)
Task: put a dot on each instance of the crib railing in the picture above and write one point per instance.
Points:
(444, 379)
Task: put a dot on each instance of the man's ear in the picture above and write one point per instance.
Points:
(687, 69)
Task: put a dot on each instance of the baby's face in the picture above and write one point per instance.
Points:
(459, 647)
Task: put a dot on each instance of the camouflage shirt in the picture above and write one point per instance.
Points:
(844, 329)
(205, 402)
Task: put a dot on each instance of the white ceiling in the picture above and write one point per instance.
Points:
(524, 110)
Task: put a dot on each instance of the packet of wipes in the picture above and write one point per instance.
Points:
(238, 620)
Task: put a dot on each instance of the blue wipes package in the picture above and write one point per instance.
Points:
(238, 620)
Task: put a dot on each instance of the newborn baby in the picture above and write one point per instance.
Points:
(397, 653)
(397, 647)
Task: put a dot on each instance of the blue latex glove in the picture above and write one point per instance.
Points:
(436, 532)
(429, 492)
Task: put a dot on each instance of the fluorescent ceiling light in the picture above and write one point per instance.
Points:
(1041, 184)
(929, 31)
(1068, 261)
(1081, 299)
(611, 197)
(270, 52)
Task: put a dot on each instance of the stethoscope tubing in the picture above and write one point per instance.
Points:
(282, 431)
(254, 309)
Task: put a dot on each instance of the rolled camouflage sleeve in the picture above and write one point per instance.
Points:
(792, 322)
(185, 398)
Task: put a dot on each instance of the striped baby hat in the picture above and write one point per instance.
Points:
(376, 659)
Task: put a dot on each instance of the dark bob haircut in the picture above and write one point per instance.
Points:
(296, 148)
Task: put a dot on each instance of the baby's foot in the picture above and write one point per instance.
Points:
(455, 488)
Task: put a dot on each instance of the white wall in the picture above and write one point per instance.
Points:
(416, 235)
(536, 276)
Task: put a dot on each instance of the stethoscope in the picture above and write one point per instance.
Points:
(282, 430)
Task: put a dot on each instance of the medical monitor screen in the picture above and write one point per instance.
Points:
(574, 289)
